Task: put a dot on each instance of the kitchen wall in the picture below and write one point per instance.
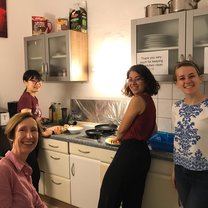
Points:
(109, 53)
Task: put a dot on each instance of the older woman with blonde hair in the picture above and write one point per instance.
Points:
(16, 188)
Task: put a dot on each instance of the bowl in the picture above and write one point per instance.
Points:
(75, 129)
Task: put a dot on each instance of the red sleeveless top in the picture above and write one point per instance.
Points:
(143, 125)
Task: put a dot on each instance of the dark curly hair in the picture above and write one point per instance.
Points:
(151, 84)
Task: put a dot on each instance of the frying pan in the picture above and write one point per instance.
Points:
(106, 129)
(93, 133)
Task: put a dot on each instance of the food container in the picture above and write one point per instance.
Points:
(155, 9)
(62, 24)
(162, 141)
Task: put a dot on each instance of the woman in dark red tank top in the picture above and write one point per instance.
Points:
(124, 180)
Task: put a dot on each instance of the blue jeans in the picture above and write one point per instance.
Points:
(192, 187)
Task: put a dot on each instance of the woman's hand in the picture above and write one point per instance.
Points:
(56, 129)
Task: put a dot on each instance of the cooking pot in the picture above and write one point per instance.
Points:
(180, 5)
(155, 9)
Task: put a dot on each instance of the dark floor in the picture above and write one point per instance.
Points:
(53, 203)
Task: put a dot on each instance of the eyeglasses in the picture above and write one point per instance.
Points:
(136, 80)
(35, 81)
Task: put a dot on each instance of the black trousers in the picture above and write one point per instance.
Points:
(124, 180)
(33, 162)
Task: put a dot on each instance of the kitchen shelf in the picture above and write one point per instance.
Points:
(158, 49)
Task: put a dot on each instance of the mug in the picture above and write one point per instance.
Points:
(40, 25)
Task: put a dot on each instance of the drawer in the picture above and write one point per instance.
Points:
(107, 155)
(54, 162)
(55, 145)
(57, 187)
(84, 150)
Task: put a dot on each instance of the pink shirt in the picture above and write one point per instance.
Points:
(16, 189)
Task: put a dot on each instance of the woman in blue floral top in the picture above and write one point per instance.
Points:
(190, 119)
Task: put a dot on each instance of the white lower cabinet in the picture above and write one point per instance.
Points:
(54, 164)
(159, 190)
(57, 187)
(85, 181)
(88, 166)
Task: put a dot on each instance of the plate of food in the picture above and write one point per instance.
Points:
(111, 141)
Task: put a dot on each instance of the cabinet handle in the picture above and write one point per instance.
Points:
(182, 57)
(46, 68)
(190, 58)
(53, 146)
(73, 170)
(85, 152)
(43, 68)
(55, 182)
(55, 158)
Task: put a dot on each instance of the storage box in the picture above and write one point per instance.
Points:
(162, 141)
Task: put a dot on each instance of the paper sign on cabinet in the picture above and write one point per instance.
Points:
(156, 61)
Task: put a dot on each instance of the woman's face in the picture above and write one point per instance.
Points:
(188, 80)
(136, 83)
(33, 85)
(25, 138)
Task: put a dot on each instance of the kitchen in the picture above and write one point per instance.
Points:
(109, 54)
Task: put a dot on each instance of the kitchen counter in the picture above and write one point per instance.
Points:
(100, 143)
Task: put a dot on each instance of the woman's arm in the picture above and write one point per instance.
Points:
(24, 110)
(136, 106)
(5, 191)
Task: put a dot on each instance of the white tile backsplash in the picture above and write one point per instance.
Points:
(164, 108)
(164, 124)
(177, 94)
(165, 91)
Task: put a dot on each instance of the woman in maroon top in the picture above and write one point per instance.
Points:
(28, 102)
(125, 178)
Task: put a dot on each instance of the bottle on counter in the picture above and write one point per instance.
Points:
(59, 112)
(51, 112)
(55, 120)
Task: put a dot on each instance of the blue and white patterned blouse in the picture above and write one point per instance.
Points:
(191, 135)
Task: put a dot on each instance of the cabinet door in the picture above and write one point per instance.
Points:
(159, 192)
(57, 48)
(197, 37)
(103, 169)
(35, 53)
(66, 54)
(85, 181)
(54, 163)
(153, 36)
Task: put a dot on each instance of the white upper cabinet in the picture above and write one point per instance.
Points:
(58, 56)
(180, 35)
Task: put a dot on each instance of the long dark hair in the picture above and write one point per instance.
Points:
(151, 84)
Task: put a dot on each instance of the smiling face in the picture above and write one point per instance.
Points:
(188, 80)
(33, 86)
(25, 138)
(136, 83)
